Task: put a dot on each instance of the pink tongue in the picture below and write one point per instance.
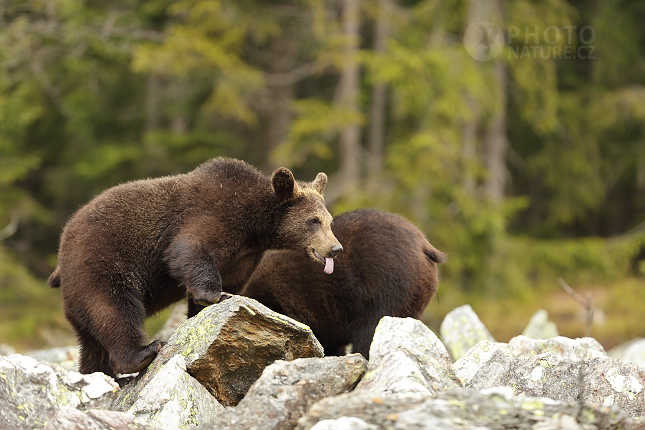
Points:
(329, 266)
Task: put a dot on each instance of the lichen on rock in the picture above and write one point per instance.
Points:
(30, 390)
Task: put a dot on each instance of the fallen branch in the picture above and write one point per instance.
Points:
(586, 304)
(11, 228)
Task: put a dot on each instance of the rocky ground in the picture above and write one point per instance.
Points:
(238, 365)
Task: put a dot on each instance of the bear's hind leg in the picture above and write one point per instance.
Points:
(127, 350)
(117, 326)
(92, 356)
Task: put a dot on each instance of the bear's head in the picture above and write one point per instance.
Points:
(305, 221)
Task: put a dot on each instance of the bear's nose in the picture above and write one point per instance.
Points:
(336, 249)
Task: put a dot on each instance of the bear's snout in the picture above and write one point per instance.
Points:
(335, 250)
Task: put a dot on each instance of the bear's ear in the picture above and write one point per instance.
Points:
(284, 184)
(319, 183)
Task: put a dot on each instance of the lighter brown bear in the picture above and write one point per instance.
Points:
(140, 246)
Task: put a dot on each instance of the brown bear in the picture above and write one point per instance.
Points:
(140, 246)
(388, 267)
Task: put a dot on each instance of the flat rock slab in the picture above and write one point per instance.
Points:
(286, 390)
(601, 380)
(459, 409)
(461, 330)
(73, 419)
(227, 346)
(365, 408)
(31, 390)
(406, 357)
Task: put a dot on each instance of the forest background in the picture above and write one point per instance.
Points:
(526, 167)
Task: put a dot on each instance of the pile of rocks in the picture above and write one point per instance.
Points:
(238, 365)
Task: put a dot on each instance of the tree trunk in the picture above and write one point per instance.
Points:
(279, 117)
(280, 93)
(469, 147)
(179, 98)
(376, 137)
(495, 143)
(347, 98)
(153, 103)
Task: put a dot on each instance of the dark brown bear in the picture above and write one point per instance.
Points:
(387, 267)
(143, 245)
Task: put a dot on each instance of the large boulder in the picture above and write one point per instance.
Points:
(406, 357)
(226, 347)
(461, 330)
(286, 390)
(458, 409)
(578, 379)
(31, 390)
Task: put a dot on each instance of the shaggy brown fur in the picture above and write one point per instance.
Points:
(387, 268)
(143, 245)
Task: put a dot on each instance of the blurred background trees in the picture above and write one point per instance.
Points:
(524, 168)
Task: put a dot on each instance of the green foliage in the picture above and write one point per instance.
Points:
(579, 260)
(312, 133)
(93, 94)
(31, 312)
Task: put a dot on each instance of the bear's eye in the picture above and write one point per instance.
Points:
(314, 221)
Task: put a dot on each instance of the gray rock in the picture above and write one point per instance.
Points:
(539, 326)
(7, 349)
(370, 409)
(486, 365)
(495, 409)
(572, 349)
(286, 390)
(227, 346)
(610, 381)
(174, 400)
(73, 419)
(633, 351)
(461, 330)
(600, 380)
(344, 423)
(406, 357)
(66, 356)
(463, 409)
(31, 391)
